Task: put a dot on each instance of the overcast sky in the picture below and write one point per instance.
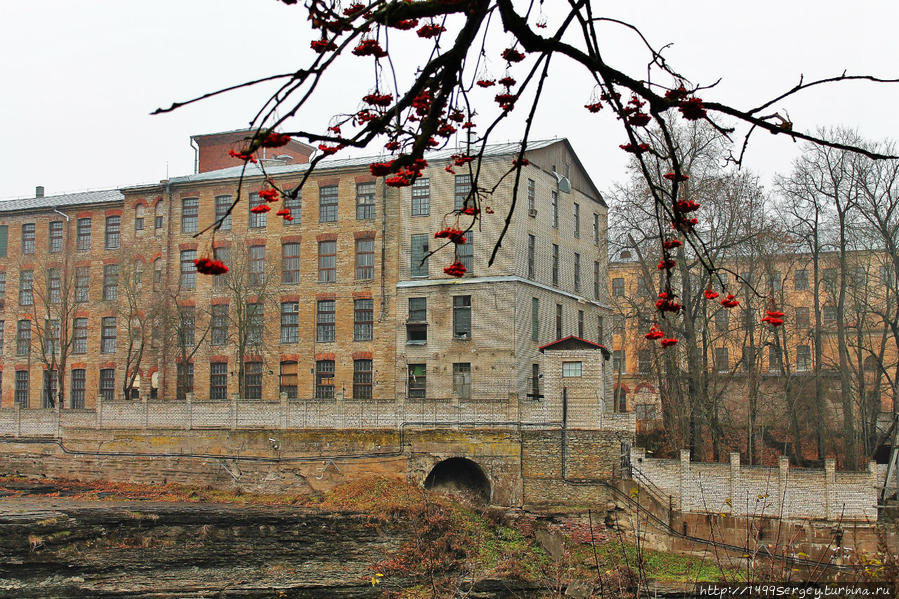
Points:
(81, 77)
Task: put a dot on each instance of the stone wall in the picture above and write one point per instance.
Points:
(736, 490)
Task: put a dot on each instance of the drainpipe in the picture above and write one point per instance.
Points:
(167, 257)
(564, 441)
(196, 156)
(63, 326)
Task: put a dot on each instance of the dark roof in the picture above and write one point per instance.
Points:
(60, 201)
(574, 342)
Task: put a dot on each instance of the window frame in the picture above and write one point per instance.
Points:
(54, 236)
(325, 321)
(188, 269)
(328, 203)
(462, 380)
(190, 215)
(362, 378)
(112, 233)
(29, 234)
(417, 381)
(418, 260)
(83, 234)
(110, 282)
(256, 220)
(290, 322)
(327, 261)
(363, 319)
(290, 262)
(365, 201)
(421, 197)
(324, 379)
(108, 331)
(462, 317)
(222, 204)
(218, 380)
(365, 258)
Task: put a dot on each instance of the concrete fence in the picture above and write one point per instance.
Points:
(288, 414)
(738, 490)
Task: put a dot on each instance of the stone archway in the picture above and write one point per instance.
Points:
(460, 475)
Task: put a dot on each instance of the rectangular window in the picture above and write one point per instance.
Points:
(257, 220)
(290, 322)
(187, 327)
(289, 379)
(112, 238)
(555, 265)
(802, 317)
(535, 319)
(22, 388)
(829, 314)
(79, 336)
(532, 197)
(218, 380)
(222, 254)
(2, 286)
(219, 324)
(722, 319)
(327, 261)
(190, 215)
(325, 321)
(558, 321)
(253, 381)
(188, 269)
(55, 235)
(465, 252)
(418, 260)
(107, 335)
(23, 337)
(580, 324)
(462, 317)
(418, 381)
(26, 288)
(51, 331)
(83, 234)
(532, 260)
(2, 336)
(554, 204)
(255, 323)
(28, 238)
(107, 384)
(290, 262)
(294, 204)
(618, 361)
(365, 258)
(618, 287)
(644, 361)
(774, 359)
(363, 319)
(138, 273)
(111, 282)
(324, 379)
(184, 381)
(421, 197)
(4, 240)
(600, 332)
(572, 369)
(577, 220)
(886, 276)
(222, 205)
(78, 387)
(596, 280)
(256, 258)
(803, 358)
(362, 379)
(417, 322)
(535, 381)
(462, 191)
(327, 204)
(462, 380)
(82, 284)
(595, 229)
(365, 201)
(775, 283)
(577, 271)
(722, 359)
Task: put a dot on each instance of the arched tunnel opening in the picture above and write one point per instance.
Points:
(459, 475)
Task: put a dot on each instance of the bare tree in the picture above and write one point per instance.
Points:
(142, 311)
(54, 315)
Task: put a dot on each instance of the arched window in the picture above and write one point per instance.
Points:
(159, 213)
(139, 213)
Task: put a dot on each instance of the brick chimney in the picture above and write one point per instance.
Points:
(212, 149)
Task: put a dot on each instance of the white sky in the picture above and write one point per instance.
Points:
(80, 78)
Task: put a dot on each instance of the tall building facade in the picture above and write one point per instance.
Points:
(344, 302)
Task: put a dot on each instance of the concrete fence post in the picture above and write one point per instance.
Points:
(684, 479)
(783, 471)
(830, 476)
(189, 406)
(233, 423)
(99, 412)
(18, 421)
(284, 409)
(734, 480)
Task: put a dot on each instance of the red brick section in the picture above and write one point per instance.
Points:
(365, 234)
(325, 356)
(326, 237)
(213, 150)
(362, 355)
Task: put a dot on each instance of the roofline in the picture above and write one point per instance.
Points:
(580, 165)
(576, 338)
(250, 130)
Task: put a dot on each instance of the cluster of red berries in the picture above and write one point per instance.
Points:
(455, 235)
(666, 303)
(206, 266)
(774, 317)
(370, 47)
(432, 30)
(456, 269)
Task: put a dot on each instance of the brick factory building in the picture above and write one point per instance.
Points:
(337, 305)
